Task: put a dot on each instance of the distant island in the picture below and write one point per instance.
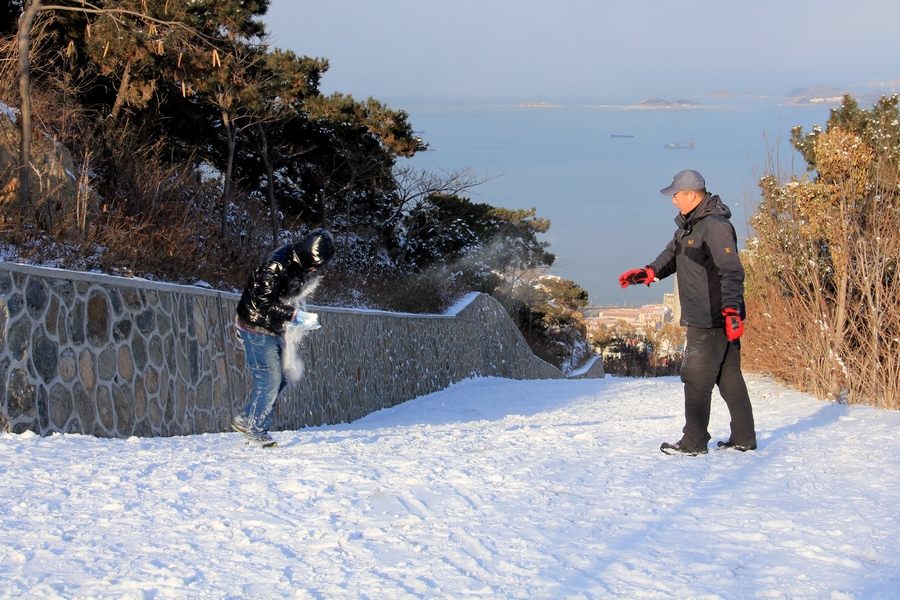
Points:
(821, 95)
(817, 95)
(659, 103)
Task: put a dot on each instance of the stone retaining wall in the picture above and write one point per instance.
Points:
(116, 357)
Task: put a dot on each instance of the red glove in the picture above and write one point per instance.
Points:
(734, 326)
(636, 276)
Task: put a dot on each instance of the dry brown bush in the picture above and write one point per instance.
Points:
(133, 213)
(823, 288)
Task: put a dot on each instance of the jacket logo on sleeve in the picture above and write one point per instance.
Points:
(727, 250)
(690, 242)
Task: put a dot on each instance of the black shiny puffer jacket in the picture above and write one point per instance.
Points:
(264, 306)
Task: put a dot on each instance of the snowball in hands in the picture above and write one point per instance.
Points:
(306, 320)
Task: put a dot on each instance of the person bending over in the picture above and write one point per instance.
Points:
(268, 304)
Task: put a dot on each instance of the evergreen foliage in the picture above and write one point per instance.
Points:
(199, 148)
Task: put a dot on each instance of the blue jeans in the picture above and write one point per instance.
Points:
(264, 360)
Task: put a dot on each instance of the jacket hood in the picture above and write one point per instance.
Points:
(314, 250)
(710, 205)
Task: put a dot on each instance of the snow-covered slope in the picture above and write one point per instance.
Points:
(489, 489)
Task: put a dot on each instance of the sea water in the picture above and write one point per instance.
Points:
(600, 191)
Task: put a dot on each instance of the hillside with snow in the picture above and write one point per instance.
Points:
(489, 489)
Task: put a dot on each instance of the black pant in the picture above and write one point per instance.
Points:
(710, 360)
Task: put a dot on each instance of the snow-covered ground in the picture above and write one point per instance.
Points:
(489, 489)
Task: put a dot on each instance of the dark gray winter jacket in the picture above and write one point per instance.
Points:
(704, 253)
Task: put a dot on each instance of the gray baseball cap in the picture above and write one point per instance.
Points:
(685, 180)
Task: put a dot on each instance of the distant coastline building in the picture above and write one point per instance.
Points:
(652, 315)
(672, 301)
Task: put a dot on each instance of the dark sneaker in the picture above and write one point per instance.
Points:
(677, 448)
(731, 445)
(239, 423)
(262, 440)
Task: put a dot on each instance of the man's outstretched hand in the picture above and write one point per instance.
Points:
(636, 276)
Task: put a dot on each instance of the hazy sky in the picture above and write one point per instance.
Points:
(589, 49)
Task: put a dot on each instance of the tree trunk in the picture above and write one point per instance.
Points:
(231, 135)
(322, 201)
(837, 343)
(270, 181)
(120, 96)
(24, 39)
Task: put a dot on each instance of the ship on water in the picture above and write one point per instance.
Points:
(689, 145)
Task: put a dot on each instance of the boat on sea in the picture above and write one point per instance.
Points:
(680, 145)
(622, 135)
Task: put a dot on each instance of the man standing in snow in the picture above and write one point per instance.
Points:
(267, 305)
(711, 290)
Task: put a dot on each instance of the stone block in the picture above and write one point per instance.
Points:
(98, 319)
(62, 407)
